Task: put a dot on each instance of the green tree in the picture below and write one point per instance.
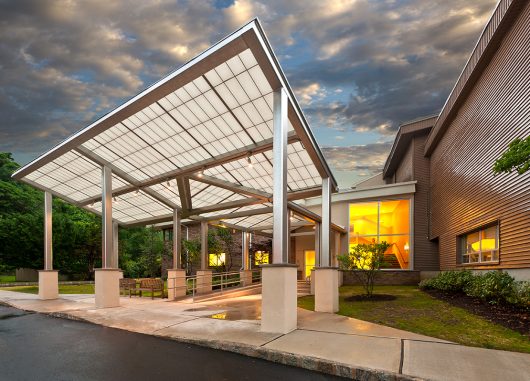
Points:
(515, 158)
(365, 260)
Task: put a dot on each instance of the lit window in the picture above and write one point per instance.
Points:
(480, 246)
(261, 258)
(378, 221)
(216, 260)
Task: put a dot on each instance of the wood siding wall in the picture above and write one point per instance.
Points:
(426, 257)
(464, 192)
(404, 170)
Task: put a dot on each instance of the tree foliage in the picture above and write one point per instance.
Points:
(515, 158)
(365, 260)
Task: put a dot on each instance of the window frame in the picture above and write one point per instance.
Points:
(462, 243)
(378, 236)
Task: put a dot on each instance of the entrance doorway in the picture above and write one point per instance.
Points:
(309, 262)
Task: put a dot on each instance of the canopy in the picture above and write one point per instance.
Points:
(199, 141)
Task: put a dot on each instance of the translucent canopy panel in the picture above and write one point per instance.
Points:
(212, 117)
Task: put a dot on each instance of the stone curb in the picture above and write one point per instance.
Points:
(281, 357)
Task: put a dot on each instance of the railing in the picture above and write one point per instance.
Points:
(204, 283)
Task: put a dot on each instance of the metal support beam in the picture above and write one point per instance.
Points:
(184, 193)
(245, 247)
(177, 240)
(115, 241)
(280, 214)
(325, 252)
(204, 245)
(318, 232)
(48, 246)
(106, 211)
(232, 187)
(223, 206)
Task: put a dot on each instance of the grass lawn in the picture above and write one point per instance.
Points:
(7, 279)
(63, 289)
(415, 311)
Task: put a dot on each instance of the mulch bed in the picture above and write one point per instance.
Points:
(506, 315)
(373, 298)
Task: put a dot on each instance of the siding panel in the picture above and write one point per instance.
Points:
(464, 192)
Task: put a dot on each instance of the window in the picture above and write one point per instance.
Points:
(380, 221)
(261, 258)
(216, 260)
(480, 246)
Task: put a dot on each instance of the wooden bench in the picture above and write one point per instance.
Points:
(152, 284)
(126, 284)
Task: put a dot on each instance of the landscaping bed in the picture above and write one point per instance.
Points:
(507, 315)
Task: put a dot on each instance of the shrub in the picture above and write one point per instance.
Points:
(448, 281)
(493, 287)
(521, 294)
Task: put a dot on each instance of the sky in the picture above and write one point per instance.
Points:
(359, 68)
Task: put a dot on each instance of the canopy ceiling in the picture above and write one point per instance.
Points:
(199, 140)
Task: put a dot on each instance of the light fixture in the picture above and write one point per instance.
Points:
(115, 199)
(201, 172)
(92, 203)
(249, 160)
(137, 192)
(168, 184)
(406, 247)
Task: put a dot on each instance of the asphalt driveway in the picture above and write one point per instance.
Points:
(39, 347)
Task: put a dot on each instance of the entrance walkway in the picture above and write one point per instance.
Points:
(330, 343)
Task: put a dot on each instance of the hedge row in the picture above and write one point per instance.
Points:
(492, 286)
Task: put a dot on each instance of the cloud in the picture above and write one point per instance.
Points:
(369, 158)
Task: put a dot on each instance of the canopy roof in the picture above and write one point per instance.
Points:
(199, 140)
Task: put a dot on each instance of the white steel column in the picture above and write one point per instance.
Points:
(177, 240)
(115, 243)
(279, 290)
(279, 205)
(326, 277)
(106, 212)
(204, 276)
(107, 278)
(325, 247)
(48, 278)
(176, 277)
(48, 246)
(246, 273)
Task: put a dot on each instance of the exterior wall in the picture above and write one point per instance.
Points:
(465, 194)
(373, 181)
(426, 256)
(404, 172)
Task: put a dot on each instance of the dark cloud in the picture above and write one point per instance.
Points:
(365, 160)
(355, 65)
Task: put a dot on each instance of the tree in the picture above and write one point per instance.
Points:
(515, 158)
(193, 252)
(365, 260)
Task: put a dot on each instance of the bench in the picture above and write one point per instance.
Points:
(152, 284)
(126, 284)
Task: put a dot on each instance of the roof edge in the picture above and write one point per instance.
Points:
(407, 128)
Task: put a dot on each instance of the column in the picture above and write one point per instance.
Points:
(204, 275)
(176, 276)
(246, 273)
(317, 257)
(107, 278)
(279, 288)
(335, 261)
(48, 278)
(326, 277)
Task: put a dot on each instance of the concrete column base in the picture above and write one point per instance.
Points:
(341, 278)
(326, 289)
(279, 293)
(246, 277)
(312, 282)
(107, 288)
(48, 284)
(204, 281)
(176, 283)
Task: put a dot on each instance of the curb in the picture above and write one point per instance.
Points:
(286, 358)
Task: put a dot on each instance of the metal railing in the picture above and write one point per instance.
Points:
(204, 283)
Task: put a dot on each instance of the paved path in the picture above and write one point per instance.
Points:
(331, 343)
(39, 347)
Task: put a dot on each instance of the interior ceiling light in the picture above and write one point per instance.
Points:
(249, 160)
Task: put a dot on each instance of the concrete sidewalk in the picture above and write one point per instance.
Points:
(324, 342)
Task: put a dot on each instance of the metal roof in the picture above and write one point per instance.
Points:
(199, 140)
